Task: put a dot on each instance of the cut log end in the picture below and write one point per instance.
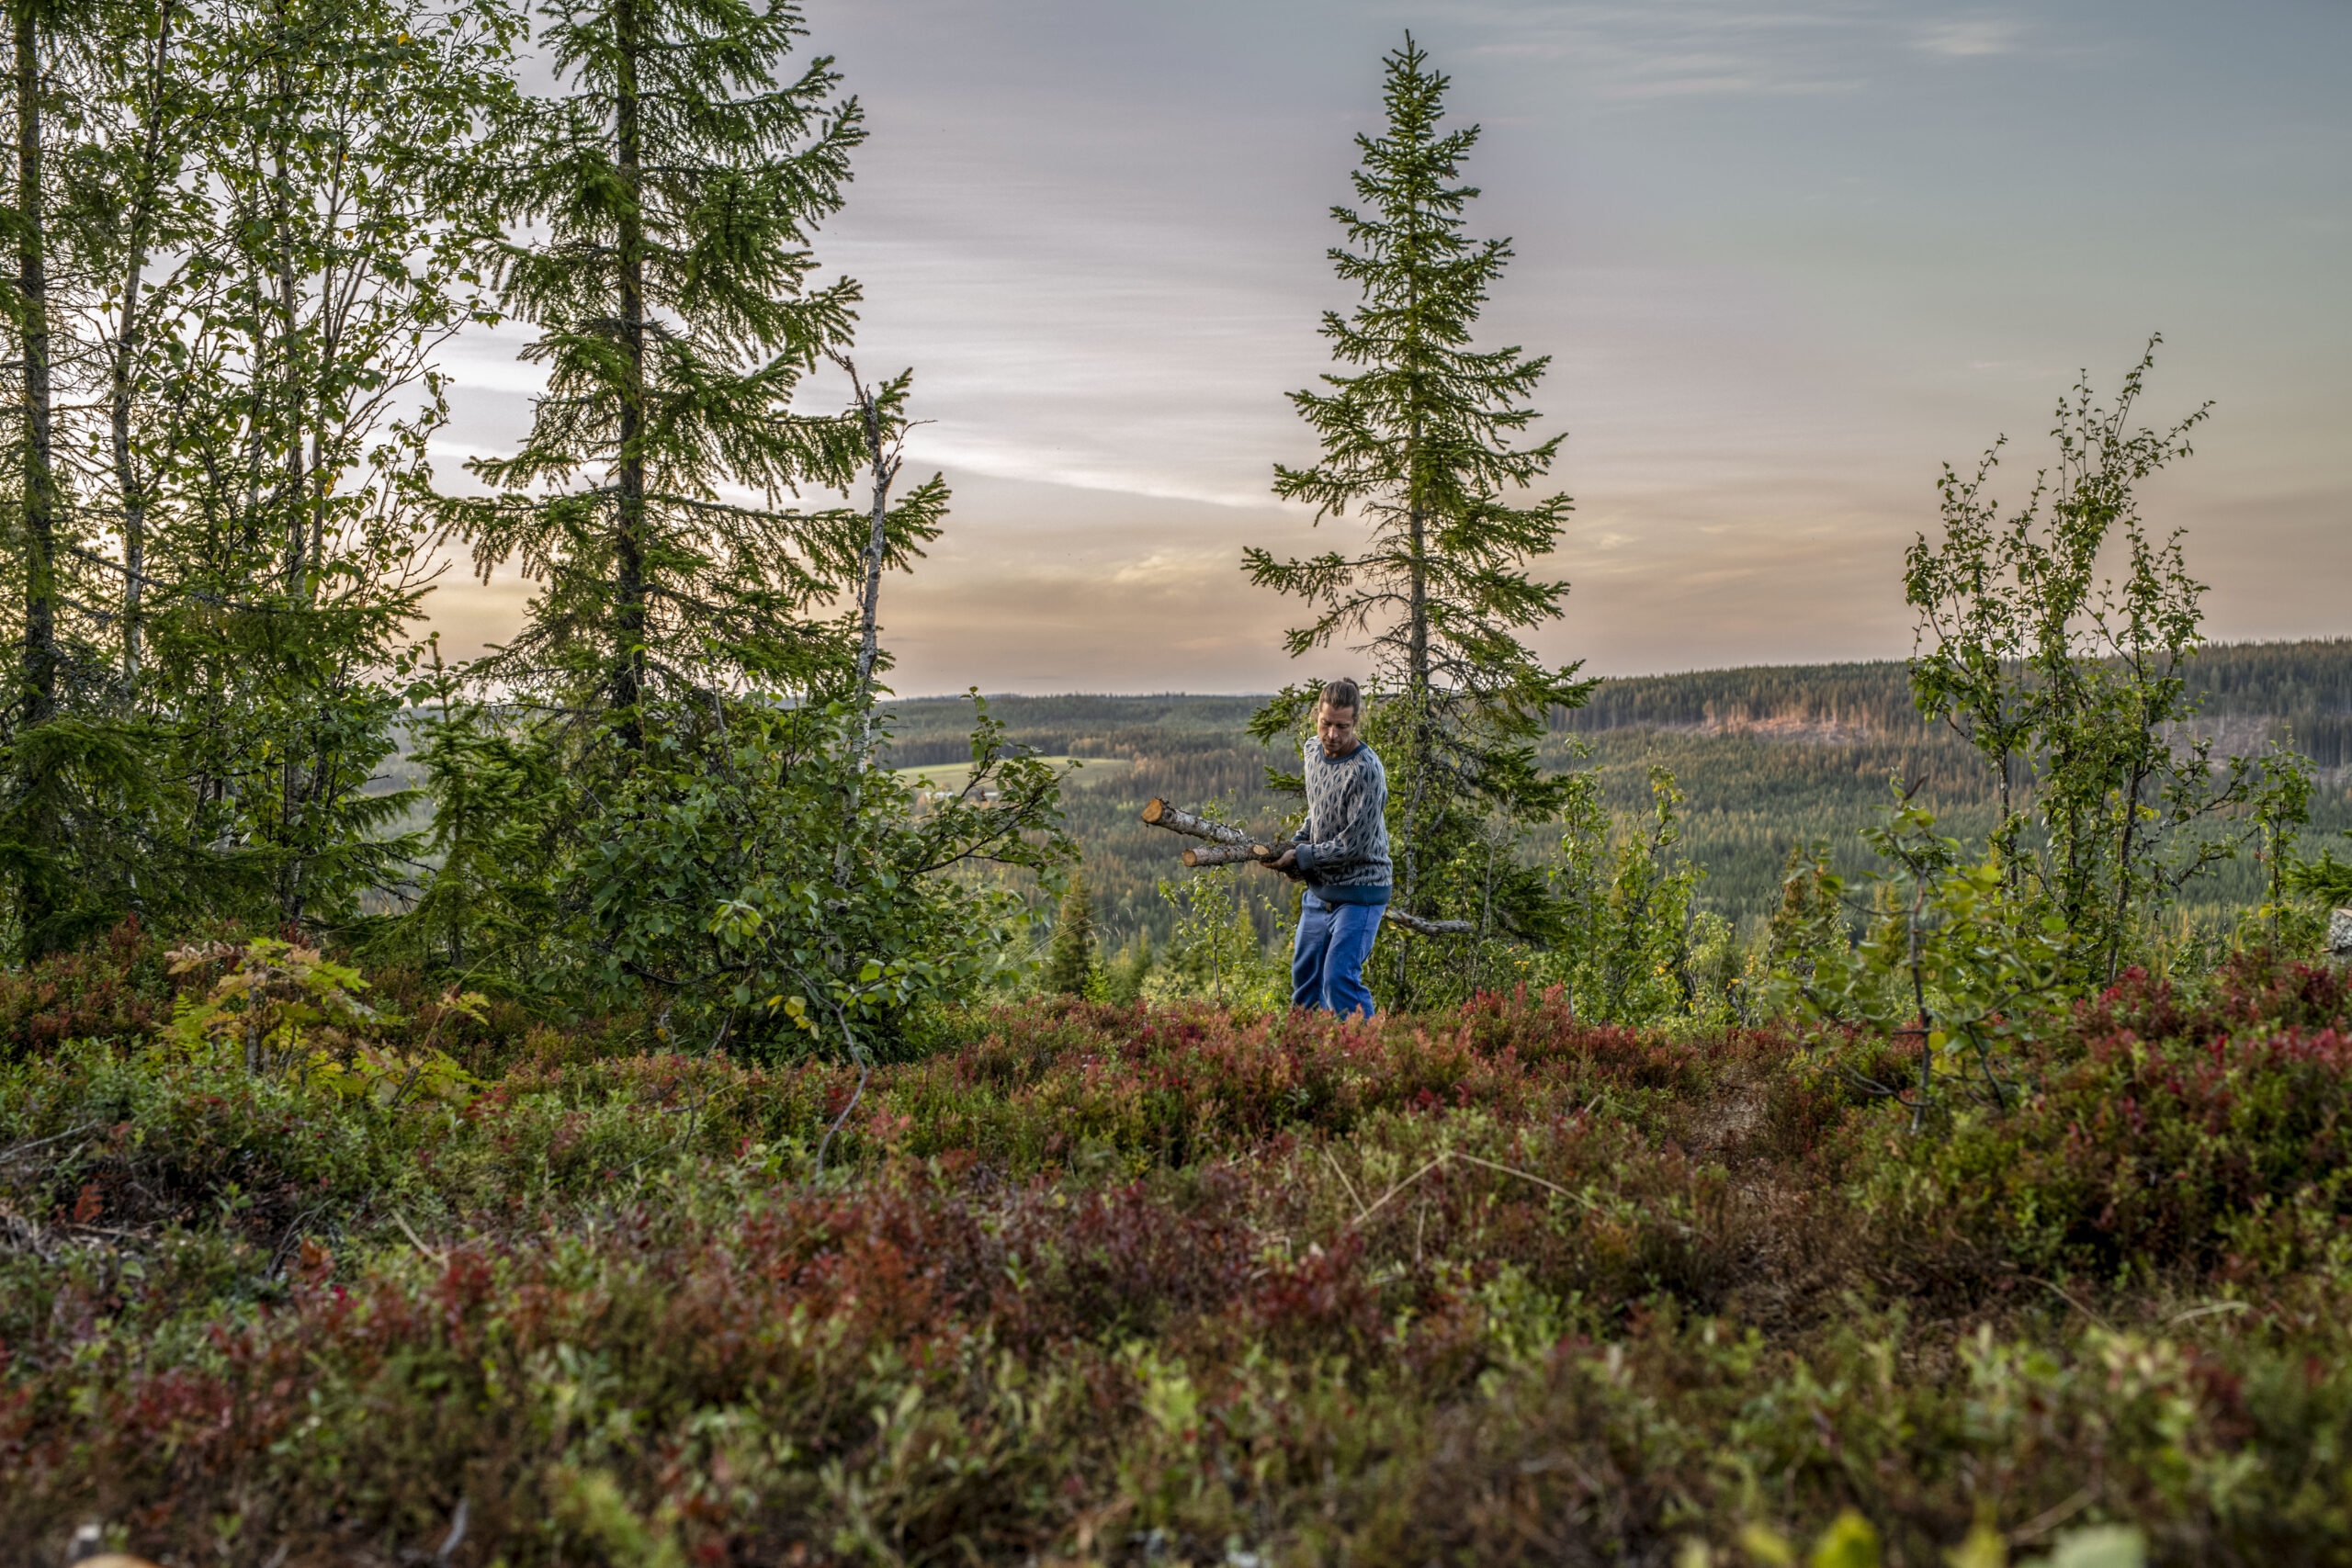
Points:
(1154, 810)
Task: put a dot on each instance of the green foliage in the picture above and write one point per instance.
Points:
(78, 779)
(286, 1011)
(2325, 880)
(1214, 950)
(1124, 977)
(1421, 440)
(1950, 961)
(2074, 685)
(279, 431)
(489, 903)
(254, 267)
(1626, 900)
(1808, 934)
(1070, 959)
(272, 999)
(768, 893)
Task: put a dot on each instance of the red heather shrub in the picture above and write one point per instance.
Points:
(793, 1322)
(1490, 1287)
(1184, 1082)
(118, 988)
(2160, 1132)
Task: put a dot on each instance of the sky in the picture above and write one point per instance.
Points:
(1788, 260)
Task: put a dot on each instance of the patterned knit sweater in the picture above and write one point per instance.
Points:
(1343, 845)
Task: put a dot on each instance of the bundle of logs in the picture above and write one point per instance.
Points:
(1231, 846)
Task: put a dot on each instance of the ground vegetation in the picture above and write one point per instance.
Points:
(1094, 1283)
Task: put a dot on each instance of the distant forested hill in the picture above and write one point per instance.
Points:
(2305, 687)
(1769, 756)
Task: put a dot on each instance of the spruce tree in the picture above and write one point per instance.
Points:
(1421, 439)
(1069, 958)
(671, 197)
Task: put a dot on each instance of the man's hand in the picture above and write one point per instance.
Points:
(1286, 860)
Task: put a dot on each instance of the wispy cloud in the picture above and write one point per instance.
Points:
(1680, 48)
(975, 452)
(1967, 39)
(1686, 49)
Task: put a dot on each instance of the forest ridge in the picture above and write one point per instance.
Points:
(1769, 757)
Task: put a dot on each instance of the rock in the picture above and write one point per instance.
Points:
(2339, 935)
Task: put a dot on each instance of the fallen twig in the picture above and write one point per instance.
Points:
(11, 1153)
(1530, 1176)
(401, 1220)
(1399, 1188)
(1353, 1196)
(456, 1537)
(2041, 1524)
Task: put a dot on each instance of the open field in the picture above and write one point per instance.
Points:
(952, 776)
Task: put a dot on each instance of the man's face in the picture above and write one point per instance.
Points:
(1336, 727)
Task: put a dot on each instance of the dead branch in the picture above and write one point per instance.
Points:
(1422, 925)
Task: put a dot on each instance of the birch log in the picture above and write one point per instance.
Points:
(1176, 819)
(1226, 854)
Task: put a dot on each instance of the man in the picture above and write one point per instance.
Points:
(1341, 853)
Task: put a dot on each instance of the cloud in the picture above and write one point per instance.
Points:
(1968, 40)
(976, 451)
(1686, 50)
(1725, 84)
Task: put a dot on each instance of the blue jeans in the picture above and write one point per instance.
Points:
(1326, 961)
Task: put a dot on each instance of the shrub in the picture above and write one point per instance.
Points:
(2164, 1133)
(119, 988)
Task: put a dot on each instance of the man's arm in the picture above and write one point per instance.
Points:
(1287, 861)
(1344, 848)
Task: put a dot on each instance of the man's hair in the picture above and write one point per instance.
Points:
(1344, 693)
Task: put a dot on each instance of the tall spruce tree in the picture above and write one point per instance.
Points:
(719, 840)
(1421, 439)
(672, 195)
